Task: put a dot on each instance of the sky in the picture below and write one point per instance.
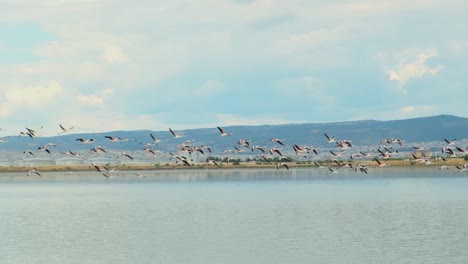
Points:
(104, 65)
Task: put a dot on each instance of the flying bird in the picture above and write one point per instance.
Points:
(214, 162)
(139, 175)
(329, 138)
(380, 163)
(112, 139)
(463, 151)
(98, 149)
(152, 151)
(275, 150)
(111, 170)
(155, 139)
(174, 134)
(320, 166)
(126, 155)
(31, 132)
(282, 164)
(64, 130)
(84, 141)
(35, 171)
(223, 133)
(96, 167)
(336, 154)
(46, 147)
(258, 147)
(28, 152)
(277, 140)
(450, 142)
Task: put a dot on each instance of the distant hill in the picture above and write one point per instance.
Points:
(365, 132)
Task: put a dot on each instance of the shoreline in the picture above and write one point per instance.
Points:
(243, 165)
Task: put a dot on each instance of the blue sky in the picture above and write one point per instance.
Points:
(101, 65)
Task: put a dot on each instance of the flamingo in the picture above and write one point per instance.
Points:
(64, 130)
(223, 133)
(282, 164)
(35, 171)
(84, 141)
(174, 134)
(329, 138)
(277, 140)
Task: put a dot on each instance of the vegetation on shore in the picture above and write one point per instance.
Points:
(233, 164)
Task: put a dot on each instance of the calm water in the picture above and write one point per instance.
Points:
(243, 216)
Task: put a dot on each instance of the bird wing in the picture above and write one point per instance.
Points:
(97, 168)
(101, 149)
(378, 161)
(130, 157)
(172, 132)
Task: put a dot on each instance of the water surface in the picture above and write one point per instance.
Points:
(236, 216)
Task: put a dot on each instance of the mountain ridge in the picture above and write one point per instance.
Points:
(360, 132)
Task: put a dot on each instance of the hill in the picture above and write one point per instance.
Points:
(362, 133)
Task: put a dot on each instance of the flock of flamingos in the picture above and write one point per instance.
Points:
(275, 154)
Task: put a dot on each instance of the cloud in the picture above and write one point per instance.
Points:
(29, 97)
(166, 50)
(113, 54)
(411, 111)
(412, 65)
(415, 110)
(96, 100)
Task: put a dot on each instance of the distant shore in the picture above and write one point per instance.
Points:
(241, 165)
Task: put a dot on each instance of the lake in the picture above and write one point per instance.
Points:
(392, 215)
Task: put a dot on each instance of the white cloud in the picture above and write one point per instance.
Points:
(96, 100)
(143, 49)
(415, 110)
(29, 97)
(412, 64)
(113, 54)
(90, 100)
(412, 111)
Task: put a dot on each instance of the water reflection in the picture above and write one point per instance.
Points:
(238, 216)
(202, 175)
